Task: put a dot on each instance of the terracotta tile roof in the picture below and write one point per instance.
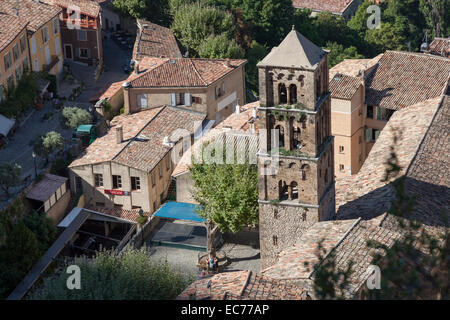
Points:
(10, 28)
(243, 285)
(365, 194)
(146, 64)
(352, 67)
(186, 73)
(155, 41)
(335, 6)
(291, 265)
(35, 13)
(402, 79)
(143, 132)
(45, 188)
(130, 215)
(440, 46)
(234, 122)
(88, 7)
(105, 148)
(146, 154)
(344, 87)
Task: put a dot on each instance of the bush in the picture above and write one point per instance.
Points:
(109, 276)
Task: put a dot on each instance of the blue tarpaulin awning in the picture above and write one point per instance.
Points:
(179, 211)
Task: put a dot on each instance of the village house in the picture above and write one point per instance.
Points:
(210, 86)
(43, 33)
(366, 93)
(153, 40)
(344, 8)
(50, 196)
(130, 166)
(440, 47)
(13, 51)
(81, 30)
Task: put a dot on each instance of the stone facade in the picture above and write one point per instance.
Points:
(296, 185)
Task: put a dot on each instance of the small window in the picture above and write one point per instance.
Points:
(45, 35)
(10, 82)
(8, 60)
(161, 198)
(84, 53)
(18, 73)
(341, 167)
(2, 92)
(98, 180)
(341, 149)
(360, 139)
(223, 88)
(153, 179)
(82, 35)
(55, 26)
(25, 64)
(117, 182)
(370, 112)
(118, 206)
(275, 240)
(23, 44)
(135, 183)
(16, 52)
(160, 171)
(154, 205)
(99, 204)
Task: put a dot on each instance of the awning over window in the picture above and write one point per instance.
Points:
(5, 125)
(179, 211)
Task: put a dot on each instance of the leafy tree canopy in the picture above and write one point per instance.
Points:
(132, 275)
(76, 116)
(10, 176)
(220, 47)
(45, 145)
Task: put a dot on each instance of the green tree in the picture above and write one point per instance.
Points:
(227, 193)
(255, 53)
(338, 53)
(76, 116)
(132, 275)
(437, 16)
(45, 145)
(156, 11)
(194, 23)
(220, 47)
(10, 176)
(18, 254)
(44, 229)
(271, 19)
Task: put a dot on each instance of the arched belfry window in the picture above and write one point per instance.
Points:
(282, 93)
(292, 94)
(283, 190)
(296, 137)
(280, 130)
(293, 190)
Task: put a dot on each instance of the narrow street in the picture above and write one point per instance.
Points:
(19, 149)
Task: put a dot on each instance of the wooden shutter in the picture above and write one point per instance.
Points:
(368, 134)
(173, 99)
(187, 99)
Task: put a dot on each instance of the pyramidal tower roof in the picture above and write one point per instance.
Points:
(294, 51)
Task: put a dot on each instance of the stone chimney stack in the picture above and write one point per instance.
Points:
(119, 134)
(126, 97)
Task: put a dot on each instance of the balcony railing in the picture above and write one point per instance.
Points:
(53, 62)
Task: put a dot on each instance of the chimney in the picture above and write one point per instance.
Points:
(238, 108)
(119, 134)
(136, 67)
(126, 97)
(227, 63)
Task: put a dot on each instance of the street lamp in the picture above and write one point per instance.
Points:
(34, 158)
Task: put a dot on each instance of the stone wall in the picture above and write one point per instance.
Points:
(280, 227)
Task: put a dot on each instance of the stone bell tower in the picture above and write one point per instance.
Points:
(296, 184)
